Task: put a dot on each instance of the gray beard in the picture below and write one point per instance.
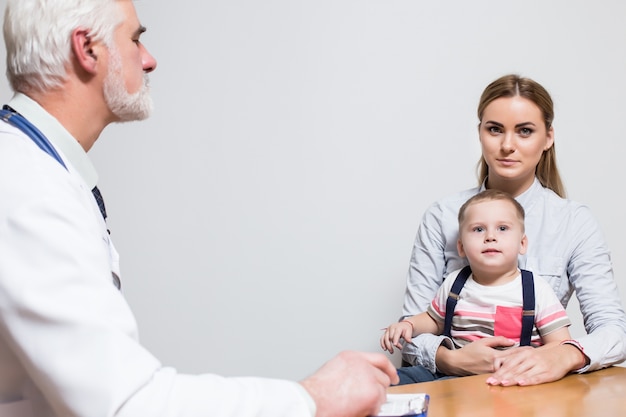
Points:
(127, 107)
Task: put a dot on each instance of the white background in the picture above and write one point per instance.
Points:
(265, 214)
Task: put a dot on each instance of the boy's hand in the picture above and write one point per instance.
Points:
(393, 334)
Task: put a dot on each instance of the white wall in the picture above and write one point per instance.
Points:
(265, 213)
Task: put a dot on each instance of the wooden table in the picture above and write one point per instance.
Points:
(600, 393)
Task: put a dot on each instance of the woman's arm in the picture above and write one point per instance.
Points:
(434, 254)
(427, 265)
(478, 357)
(591, 273)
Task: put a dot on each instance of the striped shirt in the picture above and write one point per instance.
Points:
(487, 311)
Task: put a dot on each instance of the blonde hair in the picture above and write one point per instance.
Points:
(492, 195)
(513, 85)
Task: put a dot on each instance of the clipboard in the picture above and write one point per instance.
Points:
(405, 405)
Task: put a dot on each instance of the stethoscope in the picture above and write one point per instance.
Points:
(15, 119)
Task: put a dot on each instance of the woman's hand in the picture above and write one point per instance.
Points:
(530, 366)
(474, 358)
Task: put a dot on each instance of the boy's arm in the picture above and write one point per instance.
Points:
(409, 328)
(556, 336)
(425, 323)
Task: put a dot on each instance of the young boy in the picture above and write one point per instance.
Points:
(489, 298)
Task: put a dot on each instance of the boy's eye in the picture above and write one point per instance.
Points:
(478, 229)
(503, 228)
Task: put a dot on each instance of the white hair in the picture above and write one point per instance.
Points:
(37, 36)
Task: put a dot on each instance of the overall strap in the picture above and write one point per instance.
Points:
(453, 297)
(15, 119)
(528, 303)
(528, 313)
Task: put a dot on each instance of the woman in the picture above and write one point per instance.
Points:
(567, 249)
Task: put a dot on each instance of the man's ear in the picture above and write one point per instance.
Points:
(83, 50)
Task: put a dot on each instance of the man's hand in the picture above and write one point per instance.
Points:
(472, 359)
(353, 384)
(532, 366)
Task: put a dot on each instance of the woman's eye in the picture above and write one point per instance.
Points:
(525, 131)
(494, 130)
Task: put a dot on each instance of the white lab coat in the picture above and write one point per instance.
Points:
(68, 339)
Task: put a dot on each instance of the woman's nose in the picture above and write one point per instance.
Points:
(508, 143)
